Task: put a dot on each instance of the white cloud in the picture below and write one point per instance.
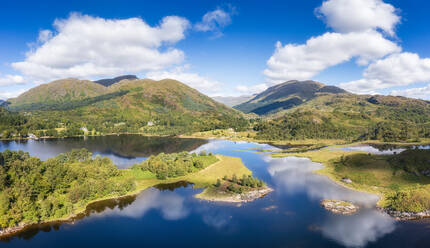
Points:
(44, 36)
(4, 95)
(84, 46)
(8, 80)
(421, 93)
(249, 90)
(304, 61)
(194, 80)
(356, 24)
(359, 15)
(215, 20)
(399, 69)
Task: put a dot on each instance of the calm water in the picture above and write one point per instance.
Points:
(169, 215)
(379, 149)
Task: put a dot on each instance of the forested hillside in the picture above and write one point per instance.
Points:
(351, 117)
(72, 107)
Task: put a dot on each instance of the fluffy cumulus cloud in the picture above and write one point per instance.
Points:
(11, 80)
(304, 61)
(215, 20)
(399, 69)
(84, 46)
(194, 80)
(359, 15)
(356, 24)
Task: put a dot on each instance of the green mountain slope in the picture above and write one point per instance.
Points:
(64, 90)
(137, 105)
(349, 116)
(285, 96)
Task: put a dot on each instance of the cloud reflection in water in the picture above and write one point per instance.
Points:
(294, 175)
(358, 229)
(170, 204)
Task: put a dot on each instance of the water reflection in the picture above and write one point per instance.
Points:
(381, 149)
(171, 205)
(282, 216)
(373, 150)
(359, 229)
(123, 150)
(294, 175)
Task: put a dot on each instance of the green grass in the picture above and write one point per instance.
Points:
(399, 187)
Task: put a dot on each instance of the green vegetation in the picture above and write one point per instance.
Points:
(72, 107)
(289, 112)
(351, 118)
(176, 164)
(12, 124)
(285, 96)
(238, 186)
(403, 180)
(33, 191)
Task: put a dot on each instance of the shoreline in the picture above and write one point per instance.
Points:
(12, 231)
(397, 215)
(298, 142)
(249, 196)
(81, 212)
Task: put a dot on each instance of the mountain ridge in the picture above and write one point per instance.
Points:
(286, 95)
(110, 81)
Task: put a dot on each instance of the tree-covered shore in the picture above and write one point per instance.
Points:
(34, 191)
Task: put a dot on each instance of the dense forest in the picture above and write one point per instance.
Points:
(176, 164)
(32, 190)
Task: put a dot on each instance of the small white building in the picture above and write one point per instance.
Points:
(32, 136)
(150, 124)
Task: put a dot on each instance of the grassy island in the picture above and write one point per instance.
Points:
(34, 191)
(233, 189)
(402, 180)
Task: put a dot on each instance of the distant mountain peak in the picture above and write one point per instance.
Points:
(109, 81)
(286, 95)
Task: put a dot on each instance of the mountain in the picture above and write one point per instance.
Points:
(64, 90)
(351, 117)
(109, 81)
(232, 100)
(285, 96)
(160, 107)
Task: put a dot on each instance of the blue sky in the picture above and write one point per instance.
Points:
(372, 47)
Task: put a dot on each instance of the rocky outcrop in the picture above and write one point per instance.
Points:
(402, 215)
(346, 180)
(339, 207)
(222, 196)
(254, 194)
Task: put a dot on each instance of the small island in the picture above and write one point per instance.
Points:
(339, 207)
(34, 192)
(233, 189)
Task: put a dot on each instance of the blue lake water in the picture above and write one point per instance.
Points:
(170, 216)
